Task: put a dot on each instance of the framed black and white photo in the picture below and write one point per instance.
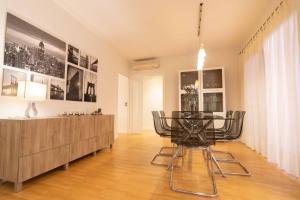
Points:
(73, 54)
(57, 89)
(74, 84)
(28, 47)
(39, 79)
(84, 60)
(90, 89)
(10, 81)
(93, 64)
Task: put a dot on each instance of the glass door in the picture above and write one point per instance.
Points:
(212, 79)
(213, 102)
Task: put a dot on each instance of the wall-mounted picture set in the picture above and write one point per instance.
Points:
(57, 89)
(74, 84)
(10, 82)
(28, 47)
(90, 87)
(93, 64)
(73, 54)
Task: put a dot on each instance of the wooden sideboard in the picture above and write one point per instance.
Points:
(33, 146)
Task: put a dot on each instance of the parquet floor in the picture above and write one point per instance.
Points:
(125, 173)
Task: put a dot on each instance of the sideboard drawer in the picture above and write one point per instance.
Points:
(44, 134)
(82, 148)
(36, 164)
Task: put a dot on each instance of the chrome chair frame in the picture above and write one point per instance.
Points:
(166, 133)
(209, 166)
(231, 159)
(181, 139)
(161, 153)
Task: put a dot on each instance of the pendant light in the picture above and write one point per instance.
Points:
(201, 52)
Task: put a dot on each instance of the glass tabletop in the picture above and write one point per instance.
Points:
(195, 116)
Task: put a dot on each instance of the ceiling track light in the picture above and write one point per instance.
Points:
(201, 52)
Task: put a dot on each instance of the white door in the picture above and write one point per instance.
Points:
(152, 99)
(123, 97)
(136, 106)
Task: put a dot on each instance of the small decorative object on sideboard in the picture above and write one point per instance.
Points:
(73, 114)
(97, 112)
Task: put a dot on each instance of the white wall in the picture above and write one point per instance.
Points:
(49, 17)
(152, 99)
(170, 67)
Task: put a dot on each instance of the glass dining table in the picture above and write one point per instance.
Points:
(193, 123)
(194, 130)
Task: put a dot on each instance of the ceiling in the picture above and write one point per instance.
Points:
(156, 28)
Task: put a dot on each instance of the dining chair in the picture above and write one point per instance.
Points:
(162, 132)
(233, 133)
(193, 137)
(164, 121)
(227, 123)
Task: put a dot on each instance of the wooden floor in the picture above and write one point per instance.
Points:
(125, 173)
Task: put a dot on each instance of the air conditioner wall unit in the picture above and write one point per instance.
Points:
(145, 64)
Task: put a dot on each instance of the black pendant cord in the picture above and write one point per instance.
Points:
(200, 18)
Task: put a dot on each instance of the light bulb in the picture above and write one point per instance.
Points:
(201, 57)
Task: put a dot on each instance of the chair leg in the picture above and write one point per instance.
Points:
(220, 171)
(174, 156)
(210, 169)
(246, 171)
(182, 156)
(231, 160)
(223, 152)
(160, 153)
(210, 173)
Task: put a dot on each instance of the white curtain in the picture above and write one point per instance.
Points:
(272, 92)
(255, 133)
(281, 52)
